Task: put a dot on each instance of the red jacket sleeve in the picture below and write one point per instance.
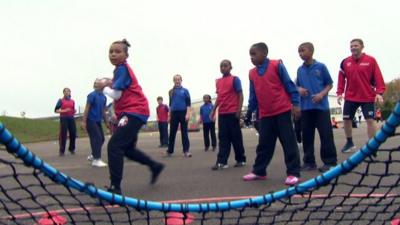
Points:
(341, 80)
(378, 77)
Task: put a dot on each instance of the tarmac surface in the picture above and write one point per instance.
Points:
(188, 179)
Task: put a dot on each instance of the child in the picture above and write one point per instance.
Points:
(208, 123)
(162, 118)
(111, 118)
(229, 103)
(272, 92)
(314, 83)
(179, 101)
(132, 110)
(91, 122)
(66, 108)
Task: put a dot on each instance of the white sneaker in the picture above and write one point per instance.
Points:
(90, 158)
(98, 163)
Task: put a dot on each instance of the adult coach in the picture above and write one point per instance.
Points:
(361, 81)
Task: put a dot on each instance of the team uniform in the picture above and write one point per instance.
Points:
(97, 101)
(360, 80)
(162, 117)
(208, 126)
(315, 78)
(272, 92)
(179, 101)
(229, 131)
(132, 111)
(67, 124)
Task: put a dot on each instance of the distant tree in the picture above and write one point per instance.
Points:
(391, 97)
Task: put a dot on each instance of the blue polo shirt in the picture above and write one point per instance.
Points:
(205, 111)
(97, 101)
(314, 78)
(180, 99)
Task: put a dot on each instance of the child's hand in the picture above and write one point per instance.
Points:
(84, 126)
(317, 98)
(296, 112)
(379, 99)
(114, 118)
(339, 99)
(302, 91)
(187, 116)
(123, 121)
(212, 115)
(237, 114)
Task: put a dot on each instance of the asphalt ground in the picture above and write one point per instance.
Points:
(189, 179)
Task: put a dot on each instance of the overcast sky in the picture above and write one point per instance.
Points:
(47, 45)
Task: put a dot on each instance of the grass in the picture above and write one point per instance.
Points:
(35, 130)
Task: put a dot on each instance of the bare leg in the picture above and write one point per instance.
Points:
(371, 127)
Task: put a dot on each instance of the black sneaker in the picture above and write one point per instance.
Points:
(213, 148)
(167, 154)
(240, 164)
(325, 168)
(348, 147)
(155, 172)
(114, 190)
(219, 166)
(308, 167)
(206, 149)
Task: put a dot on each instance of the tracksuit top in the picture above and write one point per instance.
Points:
(360, 79)
(179, 99)
(270, 92)
(97, 101)
(227, 96)
(132, 101)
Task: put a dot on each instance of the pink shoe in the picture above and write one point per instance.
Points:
(252, 176)
(292, 180)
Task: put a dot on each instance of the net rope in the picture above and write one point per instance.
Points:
(363, 189)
